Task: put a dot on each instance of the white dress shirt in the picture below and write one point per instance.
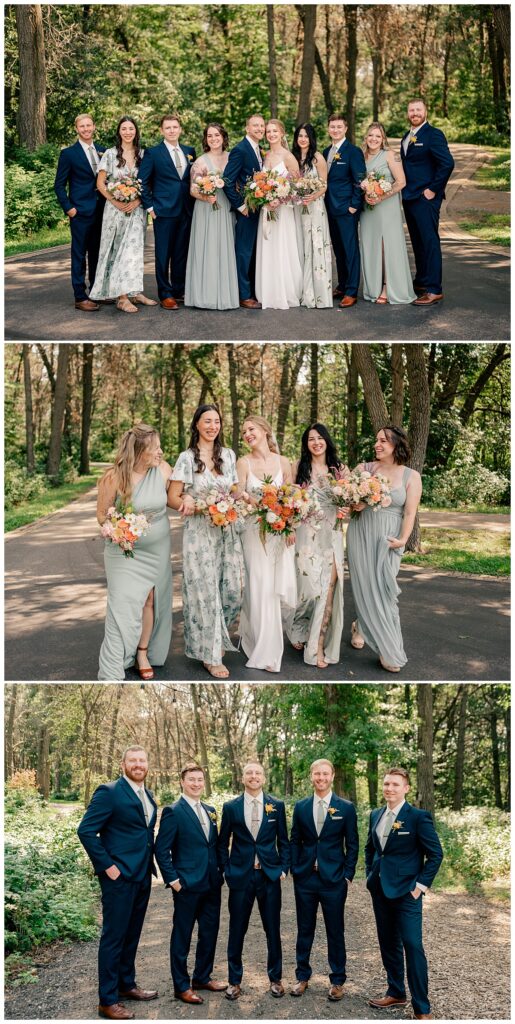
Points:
(86, 147)
(327, 801)
(380, 828)
(247, 807)
(146, 802)
(412, 131)
(193, 804)
(171, 149)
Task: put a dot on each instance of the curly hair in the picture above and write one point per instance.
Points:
(135, 143)
(218, 442)
(401, 447)
(332, 459)
(223, 133)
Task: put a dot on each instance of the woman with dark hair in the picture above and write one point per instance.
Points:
(211, 278)
(375, 543)
(138, 623)
(314, 226)
(212, 581)
(318, 621)
(120, 261)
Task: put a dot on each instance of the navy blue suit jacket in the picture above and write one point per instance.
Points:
(75, 181)
(271, 846)
(162, 188)
(182, 850)
(427, 163)
(241, 165)
(113, 831)
(336, 848)
(343, 179)
(412, 852)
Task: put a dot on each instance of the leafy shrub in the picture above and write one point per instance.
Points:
(21, 486)
(30, 200)
(476, 844)
(461, 486)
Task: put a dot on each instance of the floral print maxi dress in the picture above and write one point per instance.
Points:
(120, 260)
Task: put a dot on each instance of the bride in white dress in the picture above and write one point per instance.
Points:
(270, 585)
(279, 257)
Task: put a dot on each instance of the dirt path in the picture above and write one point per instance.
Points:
(467, 940)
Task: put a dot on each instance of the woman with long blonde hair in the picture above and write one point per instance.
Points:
(270, 585)
(279, 264)
(138, 624)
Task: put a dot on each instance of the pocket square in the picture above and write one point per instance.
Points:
(418, 143)
(271, 819)
(337, 817)
(403, 833)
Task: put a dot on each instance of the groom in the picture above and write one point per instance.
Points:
(344, 200)
(244, 160)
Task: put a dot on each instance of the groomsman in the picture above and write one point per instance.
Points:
(244, 160)
(165, 181)
(344, 200)
(324, 852)
(76, 189)
(254, 869)
(402, 856)
(187, 858)
(428, 166)
(117, 832)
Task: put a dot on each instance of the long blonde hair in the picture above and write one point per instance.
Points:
(282, 129)
(132, 445)
(380, 128)
(264, 424)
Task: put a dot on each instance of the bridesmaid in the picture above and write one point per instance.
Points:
(375, 543)
(384, 256)
(317, 291)
(211, 278)
(139, 589)
(270, 571)
(212, 580)
(318, 621)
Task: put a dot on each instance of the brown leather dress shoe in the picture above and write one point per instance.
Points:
(423, 1016)
(385, 1001)
(189, 996)
(299, 988)
(250, 304)
(88, 307)
(428, 299)
(115, 1012)
(348, 300)
(232, 992)
(169, 303)
(277, 989)
(141, 994)
(337, 293)
(210, 986)
(335, 993)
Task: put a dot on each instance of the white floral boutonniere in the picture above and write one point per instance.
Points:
(269, 808)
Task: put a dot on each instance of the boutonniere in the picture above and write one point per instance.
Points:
(212, 815)
(190, 158)
(263, 152)
(336, 157)
(332, 810)
(397, 825)
(269, 808)
(412, 138)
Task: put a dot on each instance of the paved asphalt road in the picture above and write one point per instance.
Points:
(455, 628)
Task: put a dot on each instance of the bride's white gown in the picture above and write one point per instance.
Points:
(279, 266)
(269, 584)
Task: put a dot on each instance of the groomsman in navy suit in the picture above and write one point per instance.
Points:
(187, 857)
(324, 852)
(244, 160)
(254, 869)
(117, 832)
(76, 189)
(165, 180)
(428, 166)
(402, 856)
(344, 201)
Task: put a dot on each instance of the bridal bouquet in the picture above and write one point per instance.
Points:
(281, 509)
(124, 190)
(359, 487)
(263, 187)
(124, 528)
(375, 186)
(221, 507)
(306, 187)
(207, 185)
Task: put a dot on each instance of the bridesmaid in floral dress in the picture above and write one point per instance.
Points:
(213, 572)
(312, 217)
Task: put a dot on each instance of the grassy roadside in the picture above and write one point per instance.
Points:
(47, 238)
(491, 227)
(496, 173)
(50, 501)
(480, 552)
(480, 508)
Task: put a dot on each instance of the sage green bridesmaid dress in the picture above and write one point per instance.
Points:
(373, 568)
(381, 229)
(130, 580)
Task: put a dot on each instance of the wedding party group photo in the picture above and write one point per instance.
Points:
(307, 511)
(163, 208)
(190, 851)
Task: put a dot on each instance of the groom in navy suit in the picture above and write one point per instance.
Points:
(402, 856)
(187, 857)
(165, 181)
(117, 832)
(244, 160)
(344, 200)
(324, 852)
(255, 826)
(76, 189)
(427, 165)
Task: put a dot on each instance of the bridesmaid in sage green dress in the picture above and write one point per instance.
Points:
(213, 571)
(375, 543)
(211, 277)
(384, 256)
(138, 624)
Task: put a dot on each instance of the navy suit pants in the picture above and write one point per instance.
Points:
(124, 905)
(171, 239)
(344, 236)
(85, 232)
(422, 220)
(399, 927)
(241, 901)
(246, 237)
(189, 908)
(309, 896)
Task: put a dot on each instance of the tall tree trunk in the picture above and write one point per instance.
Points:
(58, 410)
(501, 14)
(112, 733)
(351, 61)
(324, 81)
(352, 406)
(177, 390)
(425, 778)
(372, 778)
(201, 740)
(291, 363)
(313, 382)
(43, 769)
(233, 391)
(272, 66)
(420, 420)
(397, 406)
(494, 739)
(29, 412)
(507, 725)
(308, 14)
(459, 770)
(9, 732)
(31, 119)
(87, 404)
(498, 356)
(374, 397)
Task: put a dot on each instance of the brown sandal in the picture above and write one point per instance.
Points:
(144, 673)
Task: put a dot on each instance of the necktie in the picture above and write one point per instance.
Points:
(254, 826)
(141, 795)
(205, 826)
(177, 160)
(92, 154)
(259, 157)
(320, 816)
(388, 822)
(332, 152)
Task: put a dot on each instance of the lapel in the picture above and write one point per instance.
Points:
(334, 802)
(151, 801)
(83, 157)
(266, 800)
(133, 796)
(404, 811)
(310, 816)
(340, 150)
(252, 152)
(168, 156)
(193, 816)
(411, 147)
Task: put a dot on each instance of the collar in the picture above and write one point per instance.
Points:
(169, 146)
(395, 810)
(416, 130)
(191, 801)
(134, 785)
(255, 145)
(248, 798)
(86, 147)
(327, 798)
(339, 144)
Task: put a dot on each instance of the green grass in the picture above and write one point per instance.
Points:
(44, 239)
(496, 173)
(51, 501)
(483, 509)
(480, 552)
(491, 227)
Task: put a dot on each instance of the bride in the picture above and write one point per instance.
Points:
(279, 271)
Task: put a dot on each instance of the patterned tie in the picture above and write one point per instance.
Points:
(388, 822)
(200, 816)
(254, 827)
(320, 816)
(177, 160)
(92, 154)
(141, 794)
